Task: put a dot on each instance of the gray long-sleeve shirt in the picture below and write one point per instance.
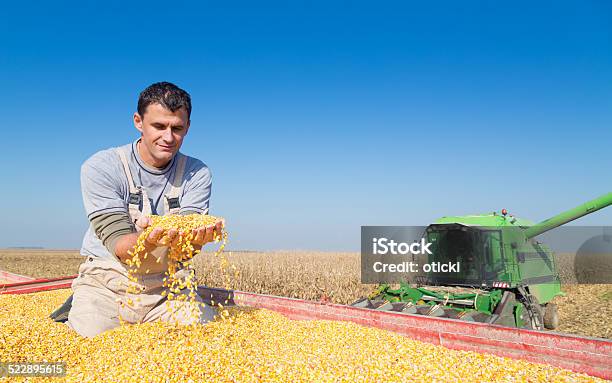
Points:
(105, 190)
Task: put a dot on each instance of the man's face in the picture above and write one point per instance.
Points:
(162, 133)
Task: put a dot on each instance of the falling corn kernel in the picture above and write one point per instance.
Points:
(180, 253)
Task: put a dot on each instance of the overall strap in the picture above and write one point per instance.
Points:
(171, 200)
(137, 194)
(128, 173)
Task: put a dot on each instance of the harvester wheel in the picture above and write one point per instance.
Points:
(533, 309)
(536, 317)
(551, 316)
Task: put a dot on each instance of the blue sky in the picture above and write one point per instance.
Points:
(315, 117)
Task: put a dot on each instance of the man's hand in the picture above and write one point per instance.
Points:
(157, 242)
(157, 237)
(203, 235)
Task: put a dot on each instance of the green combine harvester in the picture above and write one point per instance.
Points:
(506, 277)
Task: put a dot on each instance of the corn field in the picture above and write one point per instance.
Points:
(306, 275)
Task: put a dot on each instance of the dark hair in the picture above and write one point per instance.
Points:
(167, 95)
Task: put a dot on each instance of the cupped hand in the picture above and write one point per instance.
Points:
(204, 234)
(158, 237)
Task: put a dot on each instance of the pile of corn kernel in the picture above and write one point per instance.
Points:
(253, 345)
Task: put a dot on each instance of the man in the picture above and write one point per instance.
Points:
(120, 186)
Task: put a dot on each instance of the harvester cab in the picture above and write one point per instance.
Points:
(505, 277)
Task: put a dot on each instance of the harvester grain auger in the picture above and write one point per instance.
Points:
(506, 277)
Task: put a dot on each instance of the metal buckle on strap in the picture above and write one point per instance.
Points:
(173, 203)
(135, 199)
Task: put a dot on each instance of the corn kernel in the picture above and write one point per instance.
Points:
(250, 346)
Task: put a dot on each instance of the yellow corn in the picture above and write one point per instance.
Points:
(251, 346)
(183, 250)
(180, 253)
